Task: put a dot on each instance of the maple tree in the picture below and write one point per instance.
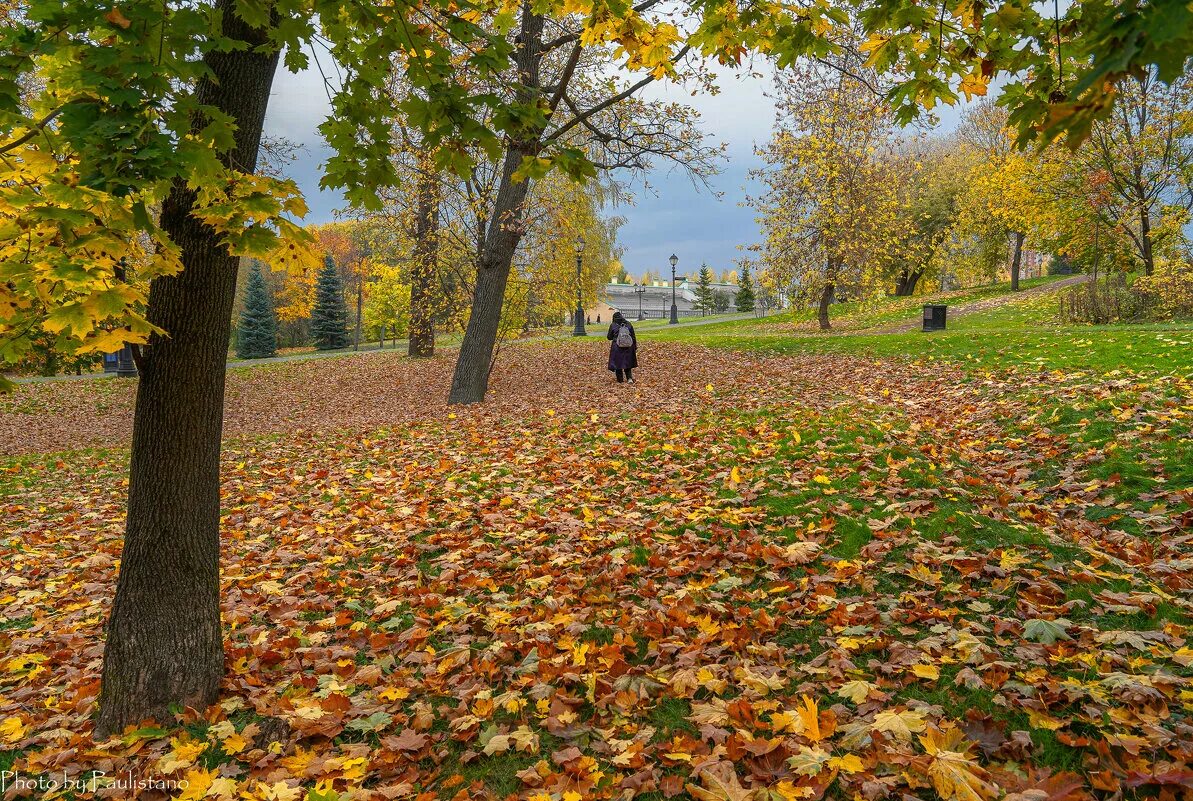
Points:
(1135, 173)
(829, 205)
(929, 176)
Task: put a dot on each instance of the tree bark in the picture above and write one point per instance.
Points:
(471, 378)
(164, 641)
(1145, 241)
(506, 227)
(426, 258)
(1016, 261)
(826, 298)
(906, 281)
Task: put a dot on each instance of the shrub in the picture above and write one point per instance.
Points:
(1169, 290)
(1164, 295)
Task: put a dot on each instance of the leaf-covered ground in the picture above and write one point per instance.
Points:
(749, 576)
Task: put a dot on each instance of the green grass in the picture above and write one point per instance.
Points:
(670, 717)
(1102, 349)
(851, 315)
(1019, 334)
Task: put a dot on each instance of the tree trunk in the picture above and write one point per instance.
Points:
(426, 259)
(164, 643)
(471, 378)
(906, 281)
(1145, 241)
(360, 302)
(826, 297)
(1016, 261)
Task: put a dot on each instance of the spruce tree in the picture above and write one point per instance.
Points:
(705, 301)
(257, 337)
(745, 292)
(329, 318)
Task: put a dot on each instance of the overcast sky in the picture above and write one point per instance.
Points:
(676, 217)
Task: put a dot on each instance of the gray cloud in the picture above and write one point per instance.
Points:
(677, 217)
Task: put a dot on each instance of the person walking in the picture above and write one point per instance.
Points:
(623, 348)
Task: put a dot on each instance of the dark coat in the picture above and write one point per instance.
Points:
(622, 358)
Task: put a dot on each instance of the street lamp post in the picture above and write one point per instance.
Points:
(640, 290)
(674, 310)
(578, 330)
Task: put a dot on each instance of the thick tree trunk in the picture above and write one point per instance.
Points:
(164, 643)
(906, 281)
(1016, 261)
(506, 227)
(426, 258)
(1145, 241)
(826, 298)
(471, 378)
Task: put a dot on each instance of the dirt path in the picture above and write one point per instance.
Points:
(980, 305)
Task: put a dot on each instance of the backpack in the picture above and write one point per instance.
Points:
(625, 339)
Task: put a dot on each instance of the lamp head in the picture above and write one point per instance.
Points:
(674, 260)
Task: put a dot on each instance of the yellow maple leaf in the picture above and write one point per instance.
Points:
(12, 730)
(900, 723)
(974, 85)
(850, 763)
(955, 774)
(198, 782)
(856, 691)
(789, 791)
(926, 671)
(183, 753)
(809, 716)
(720, 784)
(278, 791)
(394, 693)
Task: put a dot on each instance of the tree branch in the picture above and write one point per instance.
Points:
(610, 101)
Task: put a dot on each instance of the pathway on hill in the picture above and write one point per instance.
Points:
(980, 305)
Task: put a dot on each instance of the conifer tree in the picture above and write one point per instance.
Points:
(329, 318)
(257, 337)
(745, 291)
(705, 301)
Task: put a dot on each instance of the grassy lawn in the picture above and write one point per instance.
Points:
(785, 565)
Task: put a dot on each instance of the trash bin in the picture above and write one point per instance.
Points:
(934, 316)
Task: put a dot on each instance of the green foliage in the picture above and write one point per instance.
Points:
(387, 303)
(705, 300)
(745, 291)
(257, 335)
(329, 319)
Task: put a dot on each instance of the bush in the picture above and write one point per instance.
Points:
(1107, 300)
(1165, 295)
(1169, 290)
